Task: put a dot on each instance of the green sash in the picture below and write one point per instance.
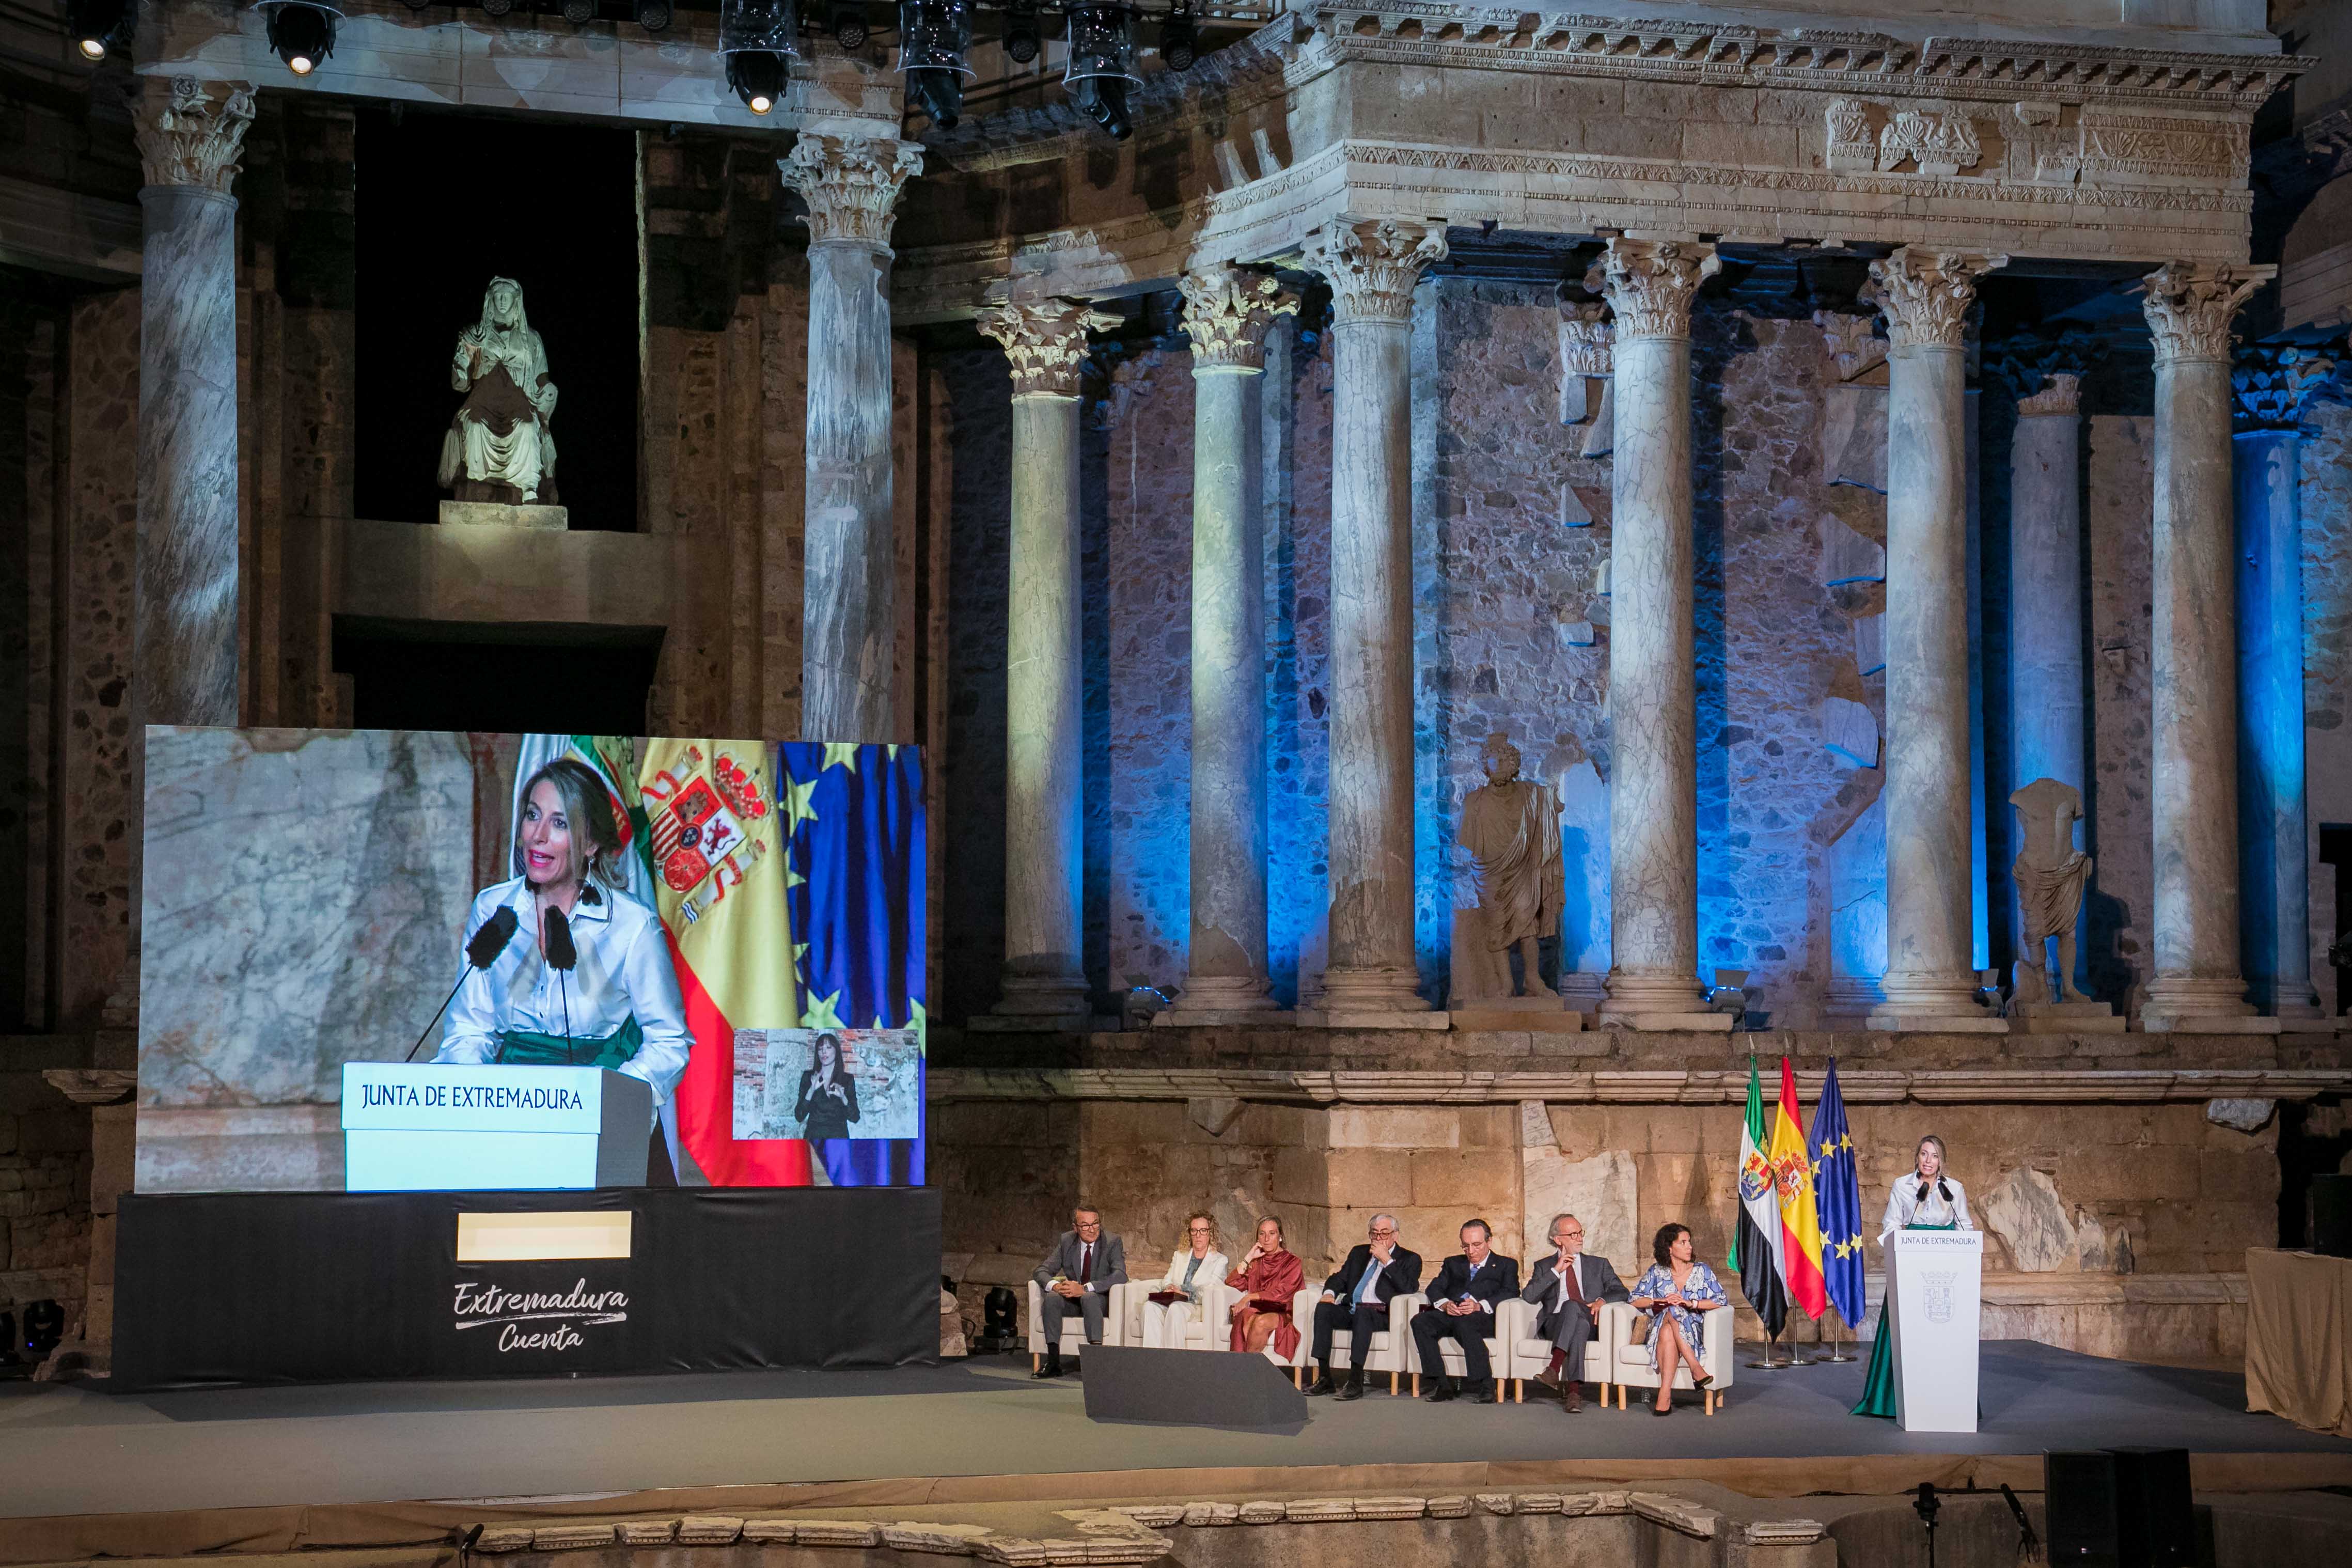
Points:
(1878, 1382)
(528, 1048)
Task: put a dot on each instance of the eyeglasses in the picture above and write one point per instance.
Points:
(1089, 1225)
(1200, 1231)
(1383, 1230)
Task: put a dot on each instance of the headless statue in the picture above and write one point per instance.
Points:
(1510, 825)
(2050, 875)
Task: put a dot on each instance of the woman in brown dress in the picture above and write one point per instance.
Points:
(1268, 1279)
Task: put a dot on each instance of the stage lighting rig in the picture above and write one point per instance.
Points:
(934, 36)
(579, 13)
(1180, 37)
(653, 16)
(498, 7)
(849, 26)
(98, 26)
(1101, 67)
(1022, 38)
(758, 39)
(301, 32)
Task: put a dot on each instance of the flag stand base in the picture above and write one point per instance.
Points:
(1768, 1363)
(1837, 1354)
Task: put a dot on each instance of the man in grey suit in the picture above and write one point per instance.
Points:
(1566, 1288)
(1082, 1267)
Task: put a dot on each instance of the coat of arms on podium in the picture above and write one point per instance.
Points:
(1936, 1296)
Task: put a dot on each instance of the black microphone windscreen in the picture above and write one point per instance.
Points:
(1921, 1196)
(560, 953)
(1943, 1191)
(492, 938)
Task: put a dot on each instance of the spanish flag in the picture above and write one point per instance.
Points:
(1801, 1227)
(717, 841)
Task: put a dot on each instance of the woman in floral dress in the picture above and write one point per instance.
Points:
(1676, 1292)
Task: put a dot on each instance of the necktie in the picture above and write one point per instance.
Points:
(1086, 1262)
(1575, 1286)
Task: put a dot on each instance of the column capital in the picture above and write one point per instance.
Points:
(186, 139)
(1650, 283)
(1046, 341)
(1925, 294)
(2045, 374)
(1852, 340)
(2274, 385)
(2061, 397)
(1228, 310)
(850, 182)
(1373, 264)
(1586, 336)
(2188, 309)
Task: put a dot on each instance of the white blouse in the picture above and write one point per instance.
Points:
(624, 972)
(1904, 1206)
(1213, 1266)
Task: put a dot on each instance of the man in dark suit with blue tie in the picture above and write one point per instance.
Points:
(1462, 1309)
(1356, 1299)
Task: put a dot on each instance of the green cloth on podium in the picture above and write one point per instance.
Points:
(1878, 1381)
(526, 1047)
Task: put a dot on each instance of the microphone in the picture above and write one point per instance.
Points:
(562, 956)
(482, 950)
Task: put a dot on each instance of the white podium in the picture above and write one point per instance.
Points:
(443, 1126)
(1935, 1288)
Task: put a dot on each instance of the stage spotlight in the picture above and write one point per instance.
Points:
(1179, 38)
(579, 13)
(653, 16)
(758, 39)
(1000, 1320)
(498, 7)
(98, 26)
(301, 32)
(933, 38)
(1022, 39)
(45, 1325)
(849, 27)
(1102, 66)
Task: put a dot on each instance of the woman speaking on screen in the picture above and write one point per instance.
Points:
(616, 1004)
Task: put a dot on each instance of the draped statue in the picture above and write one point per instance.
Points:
(498, 447)
(1510, 828)
(2050, 873)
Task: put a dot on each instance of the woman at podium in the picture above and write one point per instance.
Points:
(615, 1004)
(1926, 1199)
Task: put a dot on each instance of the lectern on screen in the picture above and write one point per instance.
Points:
(351, 979)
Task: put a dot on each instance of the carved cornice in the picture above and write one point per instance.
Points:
(1650, 283)
(183, 138)
(1227, 310)
(1372, 265)
(2274, 384)
(1585, 336)
(1925, 295)
(1046, 341)
(2189, 309)
(851, 184)
(1853, 344)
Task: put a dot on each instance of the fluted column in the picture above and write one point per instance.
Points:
(1227, 313)
(1044, 739)
(1653, 672)
(2273, 387)
(184, 652)
(1373, 268)
(1930, 925)
(2194, 655)
(848, 616)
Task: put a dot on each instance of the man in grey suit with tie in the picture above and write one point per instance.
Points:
(1566, 1288)
(1082, 1267)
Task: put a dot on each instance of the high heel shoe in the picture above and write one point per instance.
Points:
(1708, 1382)
(1662, 1410)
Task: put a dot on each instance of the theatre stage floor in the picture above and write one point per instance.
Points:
(79, 1450)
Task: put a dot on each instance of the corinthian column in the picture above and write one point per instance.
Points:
(2275, 386)
(1227, 311)
(1653, 678)
(184, 642)
(1930, 932)
(2194, 656)
(1045, 983)
(848, 622)
(1372, 267)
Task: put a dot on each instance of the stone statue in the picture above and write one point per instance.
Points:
(2051, 874)
(498, 447)
(1511, 827)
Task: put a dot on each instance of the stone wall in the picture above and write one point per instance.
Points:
(2326, 496)
(45, 1166)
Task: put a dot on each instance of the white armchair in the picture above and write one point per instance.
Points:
(1449, 1351)
(1632, 1367)
(1526, 1354)
(1207, 1322)
(1074, 1324)
(1386, 1354)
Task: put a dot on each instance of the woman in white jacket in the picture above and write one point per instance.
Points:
(1175, 1302)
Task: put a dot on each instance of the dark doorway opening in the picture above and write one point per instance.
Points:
(2335, 849)
(427, 255)
(517, 680)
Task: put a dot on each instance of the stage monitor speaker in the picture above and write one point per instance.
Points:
(2156, 1512)
(1190, 1388)
(2078, 1491)
(2330, 1216)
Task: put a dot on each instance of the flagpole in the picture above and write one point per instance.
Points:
(1768, 1363)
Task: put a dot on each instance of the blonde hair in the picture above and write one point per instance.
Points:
(1202, 1215)
(588, 809)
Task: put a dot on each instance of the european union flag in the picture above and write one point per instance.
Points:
(1837, 1196)
(856, 890)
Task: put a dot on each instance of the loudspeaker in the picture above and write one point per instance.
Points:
(2078, 1491)
(2329, 1230)
(2156, 1515)
(1190, 1388)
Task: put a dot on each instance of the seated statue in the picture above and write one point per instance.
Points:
(498, 447)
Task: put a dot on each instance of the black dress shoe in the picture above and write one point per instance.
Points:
(1322, 1385)
(1485, 1396)
(1051, 1369)
(1439, 1391)
(1351, 1389)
